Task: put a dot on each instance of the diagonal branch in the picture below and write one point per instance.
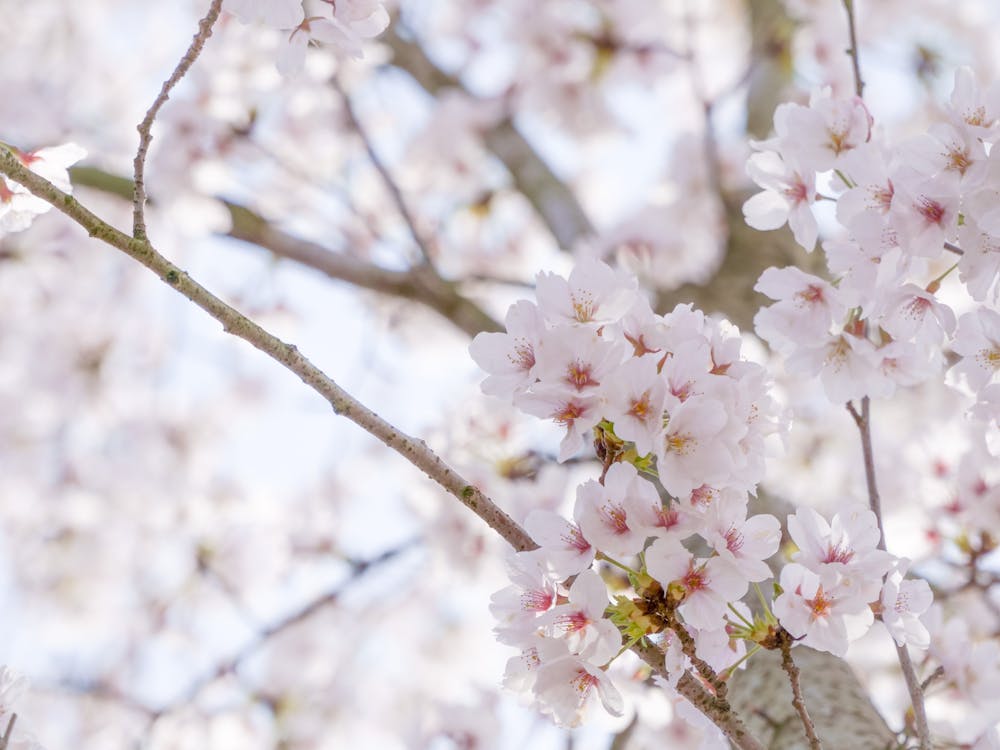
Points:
(144, 127)
(234, 322)
(412, 449)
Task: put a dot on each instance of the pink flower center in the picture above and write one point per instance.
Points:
(682, 445)
(820, 605)
(837, 141)
(838, 554)
(537, 600)
(573, 622)
(812, 295)
(523, 356)
(639, 345)
(640, 407)
(881, 197)
(582, 682)
(917, 307)
(702, 496)
(734, 539)
(797, 192)
(578, 375)
(931, 210)
(574, 539)
(569, 413)
(615, 518)
(958, 159)
(695, 580)
(976, 117)
(584, 306)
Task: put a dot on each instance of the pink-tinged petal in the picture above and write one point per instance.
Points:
(667, 560)
(765, 211)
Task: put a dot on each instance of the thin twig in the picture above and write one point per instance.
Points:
(5, 740)
(935, 675)
(859, 85)
(145, 127)
(788, 664)
(412, 449)
(863, 422)
(383, 170)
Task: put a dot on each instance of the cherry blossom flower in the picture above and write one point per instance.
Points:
(806, 309)
(564, 686)
(603, 511)
(979, 266)
(533, 592)
(594, 294)
(903, 601)
(822, 134)
(689, 451)
(914, 314)
(636, 404)
(869, 167)
(978, 342)
(848, 366)
(581, 623)
(788, 194)
(577, 413)
(925, 211)
(509, 357)
(848, 545)
(566, 549)
(741, 542)
(813, 608)
(576, 359)
(973, 108)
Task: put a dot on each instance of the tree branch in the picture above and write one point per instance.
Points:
(863, 422)
(859, 84)
(144, 127)
(788, 664)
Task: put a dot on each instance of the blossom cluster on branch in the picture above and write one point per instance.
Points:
(681, 423)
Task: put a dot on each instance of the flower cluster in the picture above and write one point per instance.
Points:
(881, 323)
(836, 579)
(669, 401)
(593, 351)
